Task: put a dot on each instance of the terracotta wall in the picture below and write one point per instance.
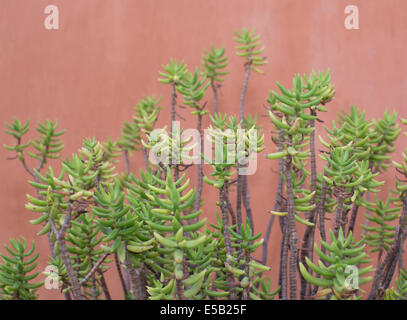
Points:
(90, 73)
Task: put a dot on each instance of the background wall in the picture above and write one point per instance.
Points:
(90, 73)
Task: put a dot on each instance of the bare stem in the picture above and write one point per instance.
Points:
(215, 97)
(60, 236)
(104, 286)
(240, 178)
(126, 161)
(282, 279)
(119, 271)
(226, 235)
(308, 239)
(145, 156)
(197, 204)
(173, 113)
(246, 202)
(354, 214)
(291, 229)
(94, 268)
(338, 213)
(276, 207)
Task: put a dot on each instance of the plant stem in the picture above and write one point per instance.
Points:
(60, 237)
(276, 207)
(282, 279)
(197, 204)
(134, 287)
(239, 201)
(246, 202)
(126, 161)
(94, 268)
(229, 206)
(119, 271)
(243, 94)
(145, 156)
(142, 282)
(226, 236)
(385, 271)
(104, 286)
(173, 105)
(215, 97)
(240, 178)
(246, 290)
(338, 213)
(308, 239)
(291, 228)
(367, 213)
(354, 214)
(321, 209)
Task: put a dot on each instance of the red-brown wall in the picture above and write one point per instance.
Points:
(90, 73)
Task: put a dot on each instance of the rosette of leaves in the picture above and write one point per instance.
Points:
(131, 137)
(348, 178)
(248, 48)
(355, 129)
(399, 292)
(176, 234)
(47, 144)
(262, 289)
(116, 221)
(401, 187)
(15, 278)
(232, 144)
(58, 273)
(246, 272)
(85, 171)
(335, 268)
(121, 228)
(173, 72)
(244, 267)
(52, 202)
(147, 111)
(143, 248)
(193, 88)
(18, 130)
(90, 168)
(111, 150)
(213, 63)
(380, 236)
(319, 85)
(169, 149)
(307, 93)
(382, 136)
(84, 238)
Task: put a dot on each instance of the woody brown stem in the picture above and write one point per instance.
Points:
(226, 236)
(291, 229)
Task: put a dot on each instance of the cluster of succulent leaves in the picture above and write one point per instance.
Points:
(16, 271)
(149, 226)
(333, 267)
(146, 115)
(399, 292)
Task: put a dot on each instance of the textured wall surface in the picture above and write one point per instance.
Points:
(90, 73)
